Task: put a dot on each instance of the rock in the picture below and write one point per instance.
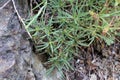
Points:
(30, 75)
(15, 52)
(6, 62)
(17, 60)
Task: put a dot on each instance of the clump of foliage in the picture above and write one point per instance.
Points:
(60, 27)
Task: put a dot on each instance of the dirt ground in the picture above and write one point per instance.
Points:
(96, 63)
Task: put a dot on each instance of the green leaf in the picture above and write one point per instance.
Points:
(36, 16)
(109, 41)
(117, 2)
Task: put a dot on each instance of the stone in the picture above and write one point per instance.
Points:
(6, 61)
(14, 57)
(17, 60)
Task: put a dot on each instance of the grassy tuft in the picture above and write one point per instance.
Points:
(61, 26)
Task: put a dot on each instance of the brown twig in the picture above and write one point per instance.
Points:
(4, 4)
(111, 22)
(31, 6)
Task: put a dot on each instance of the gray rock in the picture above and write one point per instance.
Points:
(15, 52)
(6, 61)
(17, 61)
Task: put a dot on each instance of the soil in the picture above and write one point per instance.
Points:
(93, 64)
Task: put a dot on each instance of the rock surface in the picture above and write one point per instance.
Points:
(15, 51)
(17, 61)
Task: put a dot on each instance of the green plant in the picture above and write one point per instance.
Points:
(61, 26)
